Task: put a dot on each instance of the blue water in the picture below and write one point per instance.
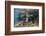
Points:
(15, 16)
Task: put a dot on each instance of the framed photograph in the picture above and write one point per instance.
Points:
(24, 17)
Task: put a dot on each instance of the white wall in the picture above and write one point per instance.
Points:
(2, 18)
